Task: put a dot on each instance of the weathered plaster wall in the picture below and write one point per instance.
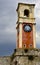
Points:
(26, 57)
(22, 57)
(5, 60)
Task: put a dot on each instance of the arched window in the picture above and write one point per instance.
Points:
(26, 12)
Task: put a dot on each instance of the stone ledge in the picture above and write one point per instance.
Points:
(26, 57)
(35, 52)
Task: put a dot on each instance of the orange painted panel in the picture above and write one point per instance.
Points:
(27, 37)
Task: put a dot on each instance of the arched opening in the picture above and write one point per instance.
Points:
(26, 12)
(30, 45)
(24, 45)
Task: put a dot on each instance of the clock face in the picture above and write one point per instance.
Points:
(27, 28)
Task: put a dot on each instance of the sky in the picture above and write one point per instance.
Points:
(8, 19)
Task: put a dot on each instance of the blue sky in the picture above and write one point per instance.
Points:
(8, 18)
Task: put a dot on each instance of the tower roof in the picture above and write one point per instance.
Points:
(24, 4)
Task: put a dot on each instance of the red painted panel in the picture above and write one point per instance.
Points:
(27, 37)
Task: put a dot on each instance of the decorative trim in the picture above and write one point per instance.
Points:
(25, 23)
(27, 18)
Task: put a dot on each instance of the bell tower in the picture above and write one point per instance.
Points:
(26, 26)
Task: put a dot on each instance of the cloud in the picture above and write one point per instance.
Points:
(7, 49)
(38, 36)
(37, 9)
(38, 39)
(27, 1)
